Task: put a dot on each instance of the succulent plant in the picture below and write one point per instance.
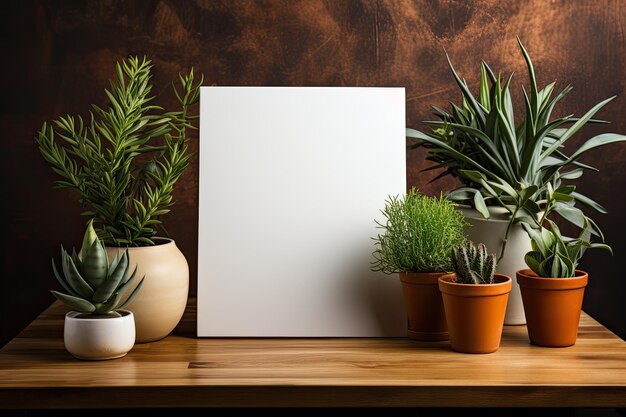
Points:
(473, 264)
(556, 256)
(93, 285)
(520, 166)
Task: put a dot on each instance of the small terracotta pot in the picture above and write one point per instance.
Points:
(424, 306)
(552, 307)
(475, 313)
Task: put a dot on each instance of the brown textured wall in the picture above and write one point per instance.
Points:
(58, 55)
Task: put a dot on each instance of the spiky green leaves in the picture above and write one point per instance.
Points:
(418, 234)
(93, 285)
(473, 264)
(508, 165)
(556, 256)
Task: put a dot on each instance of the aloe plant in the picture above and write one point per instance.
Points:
(473, 264)
(125, 159)
(556, 256)
(93, 285)
(521, 167)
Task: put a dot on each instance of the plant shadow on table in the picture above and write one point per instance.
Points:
(428, 412)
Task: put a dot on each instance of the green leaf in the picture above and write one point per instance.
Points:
(75, 303)
(479, 204)
(73, 277)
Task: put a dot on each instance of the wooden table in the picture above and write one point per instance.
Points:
(183, 371)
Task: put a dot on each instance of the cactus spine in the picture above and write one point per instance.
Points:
(473, 264)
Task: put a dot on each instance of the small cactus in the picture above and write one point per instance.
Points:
(93, 285)
(473, 264)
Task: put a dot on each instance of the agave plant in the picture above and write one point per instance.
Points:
(557, 256)
(520, 167)
(93, 285)
(473, 264)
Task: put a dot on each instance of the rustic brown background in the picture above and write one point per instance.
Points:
(58, 55)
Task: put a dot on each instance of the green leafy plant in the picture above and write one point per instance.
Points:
(125, 161)
(520, 167)
(473, 264)
(93, 285)
(418, 234)
(557, 256)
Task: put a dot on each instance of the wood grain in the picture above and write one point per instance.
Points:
(182, 371)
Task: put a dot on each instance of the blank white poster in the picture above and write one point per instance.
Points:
(291, 181)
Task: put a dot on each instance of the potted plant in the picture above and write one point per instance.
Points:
(123, 162)
(553, 288)
(417, 236)
(98, 328)
(506, 168)
(474, 298)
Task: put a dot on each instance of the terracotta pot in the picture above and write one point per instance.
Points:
(491, 232)
(161, 302)
(424, 306)
(475, 313)
(98, 338)
(552, 307)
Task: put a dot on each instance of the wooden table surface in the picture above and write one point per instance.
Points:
(183, 371)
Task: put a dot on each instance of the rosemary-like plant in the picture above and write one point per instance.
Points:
(418, 234)
(125, 160)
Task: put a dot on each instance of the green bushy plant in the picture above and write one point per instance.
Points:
(473, 264)
(517, 166)
(95, 286)
(124, 160)
(556, 256)
(417, 234)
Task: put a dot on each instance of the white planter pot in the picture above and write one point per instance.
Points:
(491, 232)
(160, 304)
(99, 338)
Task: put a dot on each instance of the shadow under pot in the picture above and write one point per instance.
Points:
(424, 306)
(475, 313)
(552, 307)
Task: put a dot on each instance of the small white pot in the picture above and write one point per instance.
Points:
(491, 232)
(99, 338)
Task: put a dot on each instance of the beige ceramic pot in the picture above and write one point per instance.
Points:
(161, 302)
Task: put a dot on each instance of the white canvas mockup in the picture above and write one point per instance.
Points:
(291, 181)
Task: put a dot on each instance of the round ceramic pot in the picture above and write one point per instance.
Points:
(475, 313)
(552, 307)
(160, 304)
(491, 232)
(99, 338)
(424, 306)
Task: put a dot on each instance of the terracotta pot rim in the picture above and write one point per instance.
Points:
(528, 279)
(528, 273)
(421, 278)
(502, 286)
(159, 242)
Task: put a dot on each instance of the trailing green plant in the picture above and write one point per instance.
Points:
(126, 158)
(417, 234)
(556, 256)
(93, 285)
(520, 167)
(473, 264)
